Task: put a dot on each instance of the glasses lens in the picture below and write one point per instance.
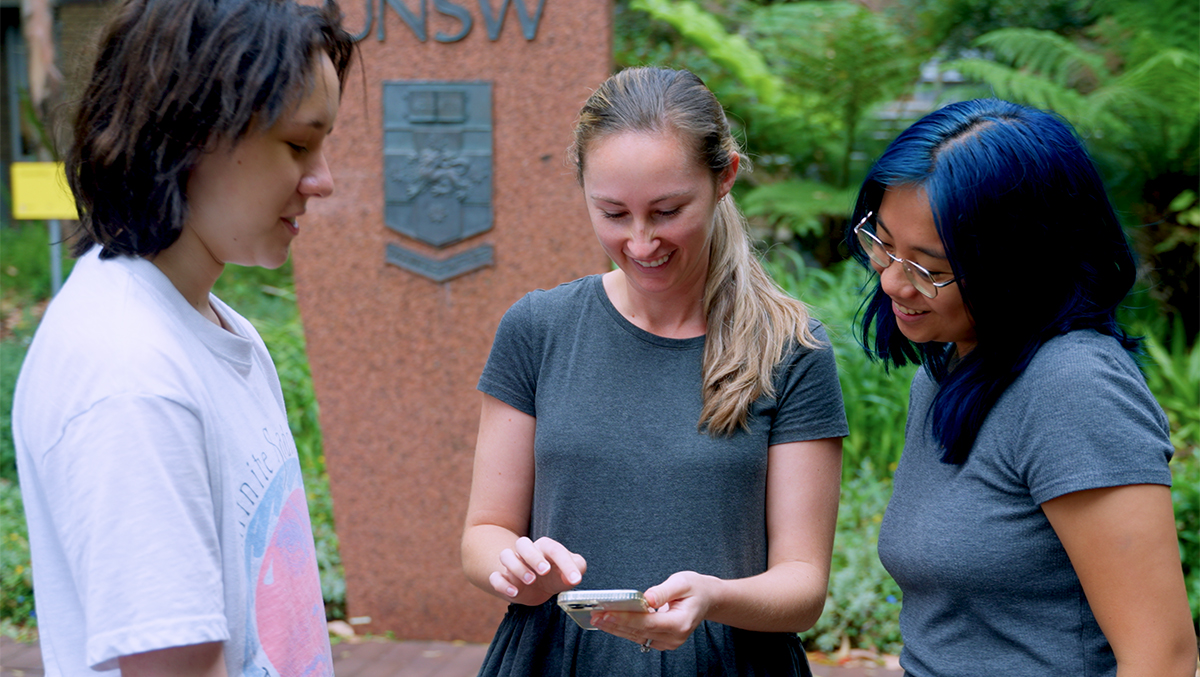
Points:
(873, 248)
(920, 279)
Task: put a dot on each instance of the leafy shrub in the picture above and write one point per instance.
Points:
(16, 576)
(863, 603)
(1173, 375)
(12, 353)
(26, 268)
(1185, 495)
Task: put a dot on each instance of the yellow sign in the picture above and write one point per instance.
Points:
(39, 191)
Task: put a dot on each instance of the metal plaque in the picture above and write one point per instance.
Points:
(440, 270)
(437, 141)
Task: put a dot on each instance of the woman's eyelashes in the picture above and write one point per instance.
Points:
(658, 215)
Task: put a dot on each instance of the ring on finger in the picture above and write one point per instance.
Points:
(646, 645)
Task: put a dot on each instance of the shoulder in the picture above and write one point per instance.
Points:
(1077, 364)
(107, 331)
(562, 297)
(547, 308)
(819, 333)
(797, 353)
(1079, 417)
(109, 306)
(806, 366)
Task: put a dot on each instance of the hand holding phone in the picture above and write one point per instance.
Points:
(579, 604)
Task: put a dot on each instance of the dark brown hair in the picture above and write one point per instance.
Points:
(172, 79)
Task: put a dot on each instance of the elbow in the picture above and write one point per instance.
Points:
(470, 557)
(1180, 657)
(809, 616)
(1183, 657)
(1174, 657)
(805, 614)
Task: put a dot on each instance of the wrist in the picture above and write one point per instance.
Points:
(715, 594)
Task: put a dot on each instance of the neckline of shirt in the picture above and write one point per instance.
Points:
(229, 345)
(693, 343)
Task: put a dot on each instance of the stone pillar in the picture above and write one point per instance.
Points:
(396, 354)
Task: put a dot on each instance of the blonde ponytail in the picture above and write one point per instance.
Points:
(751, 324)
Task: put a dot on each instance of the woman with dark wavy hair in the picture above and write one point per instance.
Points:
(672, 426)
(167, 515)
(1031, 526)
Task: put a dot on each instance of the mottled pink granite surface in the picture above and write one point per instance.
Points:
(395, 357)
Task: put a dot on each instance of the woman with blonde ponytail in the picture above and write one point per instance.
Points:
(673, 426)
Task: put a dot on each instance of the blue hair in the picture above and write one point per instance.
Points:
(1030, 234)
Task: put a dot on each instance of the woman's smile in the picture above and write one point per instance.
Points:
(652, 264)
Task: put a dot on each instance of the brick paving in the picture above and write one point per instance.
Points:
(383, 659)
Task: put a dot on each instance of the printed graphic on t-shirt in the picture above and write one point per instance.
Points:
(286, 633)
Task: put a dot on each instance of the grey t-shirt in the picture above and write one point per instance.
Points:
(623, 475)
(988, 588)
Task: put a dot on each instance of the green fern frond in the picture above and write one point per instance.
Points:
(1021, 87)
(1169, 80)
(797, 205)
(1046, 53)
(1168, 23)
(731, 52)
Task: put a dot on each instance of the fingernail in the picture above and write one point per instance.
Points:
(528, 578)
(574, 577)
(543, 567)
(512, 592)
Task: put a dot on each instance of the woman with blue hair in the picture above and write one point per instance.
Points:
(1031, 526)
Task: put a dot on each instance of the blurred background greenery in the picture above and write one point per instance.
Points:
(816, 89)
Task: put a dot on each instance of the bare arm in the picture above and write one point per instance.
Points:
(195, 660)
(803, 481)
(498, 556)
(1122, 543)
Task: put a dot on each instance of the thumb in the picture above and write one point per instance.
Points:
(670, 589)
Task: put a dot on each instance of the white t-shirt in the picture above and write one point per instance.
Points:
(161, 483)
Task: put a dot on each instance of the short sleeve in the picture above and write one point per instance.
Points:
(1089, 421)
(511, 372)
(128, 487)
(808, 396)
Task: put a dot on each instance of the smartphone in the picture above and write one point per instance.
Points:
(579, 604)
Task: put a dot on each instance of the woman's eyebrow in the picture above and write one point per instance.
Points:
(318, 124)
(662, 198)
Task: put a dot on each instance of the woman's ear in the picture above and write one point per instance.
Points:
(728, 176)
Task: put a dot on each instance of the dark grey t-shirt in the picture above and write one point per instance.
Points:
(623, 476)
(988, 588)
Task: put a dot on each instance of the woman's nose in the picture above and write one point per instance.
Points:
(895, 283)
(642, 243)
(318, 181)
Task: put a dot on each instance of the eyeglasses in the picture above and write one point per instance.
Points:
(921, 279)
